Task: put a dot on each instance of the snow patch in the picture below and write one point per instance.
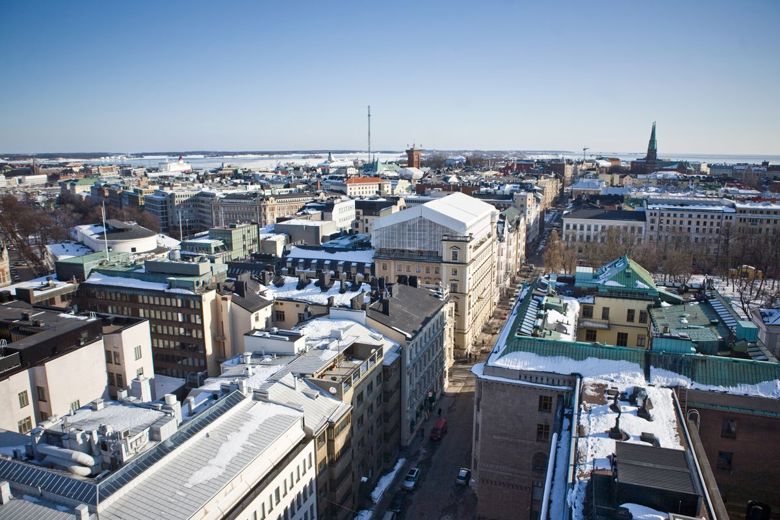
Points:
(385, 481)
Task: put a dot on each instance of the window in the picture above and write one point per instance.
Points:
(41, 393)
(109, 357)
(545, 403)
(725, 460)
(539, 461)
(590, 335)
(542, 432)
(279, 315)
(117, 360)
(120, 381)
(454, 287)
(640, 341)
(587, 311)
(24, 399)
(642, 316)
(137, 352)
(454, 254)
(630, 315)
(622, 339)
(25, 425)
(139, 372)
(605, 313)
(728, 428)
(75, 405)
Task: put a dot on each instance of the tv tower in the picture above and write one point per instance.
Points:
(369, 133)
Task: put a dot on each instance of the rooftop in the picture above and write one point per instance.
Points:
(605, 214)
(311, 292)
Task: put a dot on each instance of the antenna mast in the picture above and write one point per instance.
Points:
(105, 230)
(369, 133)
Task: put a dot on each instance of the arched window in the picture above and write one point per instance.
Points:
(539, 462)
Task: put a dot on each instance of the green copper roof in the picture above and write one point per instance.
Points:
(622, 275)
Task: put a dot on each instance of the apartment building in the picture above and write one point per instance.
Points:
(510, 247)
(241, 240)
(128, 350)
(260, 208)
(178, 298)
(670, 397)
(50, 363)
(422, 325)
(584, 226)
(340, 211)
(530, 207)
(368, 210)
(239, 457)
(5, 265)
(177, 209)
(449, 242)
(550, 187)
(700, 222)
(355, 187)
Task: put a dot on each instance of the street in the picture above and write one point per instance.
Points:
(437, 496)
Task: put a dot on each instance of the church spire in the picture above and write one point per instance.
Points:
(652, 146)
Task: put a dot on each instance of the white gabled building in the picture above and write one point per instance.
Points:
(448, 243)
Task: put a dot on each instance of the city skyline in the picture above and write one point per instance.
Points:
(448, 76)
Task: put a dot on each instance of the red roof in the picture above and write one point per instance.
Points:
(364, 180)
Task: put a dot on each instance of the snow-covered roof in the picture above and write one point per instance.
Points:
(459, 212)
(770, 316)
(63, 250)
(365, 256)
(97, 278)
(311, 293)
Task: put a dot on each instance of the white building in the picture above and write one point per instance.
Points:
(449, 242)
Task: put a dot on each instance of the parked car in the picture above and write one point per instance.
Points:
(439, 429)
(411, 478)
(464, 475)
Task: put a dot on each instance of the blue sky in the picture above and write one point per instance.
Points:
(176, 75)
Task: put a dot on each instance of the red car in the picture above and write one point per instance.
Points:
(439, 430)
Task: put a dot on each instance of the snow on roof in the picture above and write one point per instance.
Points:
(321, 330)
(596, 419)
(63, 250)
(770, 389)
(304, 222)
(770, 316)
(97, 278)
(255, 376)
(120, 416)
(608, 369)
(234, 442)
(459, 212)
(365, 256)
(40, 285)
(311, 293)
(166, 385)
(639, 512)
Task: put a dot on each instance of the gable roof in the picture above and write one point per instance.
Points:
(619, 275)
(457, 211)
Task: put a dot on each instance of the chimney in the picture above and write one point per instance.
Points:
(141, 388)
(356, 303)
(331, 301)
(81, 512)
(240, 288)
(5, 492)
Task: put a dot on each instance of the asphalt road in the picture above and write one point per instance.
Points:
(437, 497)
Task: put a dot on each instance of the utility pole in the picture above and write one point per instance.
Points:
(105, 230)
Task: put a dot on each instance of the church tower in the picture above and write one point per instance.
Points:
(413, 157)
(651, 159)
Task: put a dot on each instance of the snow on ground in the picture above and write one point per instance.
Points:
(639, 512)
(311, 293)
(662, 377)
(596, 420)
(385, 481)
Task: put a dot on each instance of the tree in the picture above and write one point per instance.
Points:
(553, 256)
(29, 228)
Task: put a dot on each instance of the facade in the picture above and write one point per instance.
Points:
(341, 211)
(241, 240)
(178, 298)
(413, 156)
(530, 207)
(422, 325)
(5, 265)
(363, 187)
(668, 402)
(128, 351)
(592, 225)
(308, 232)
(118, 236)
(49, 365)
(449, 242)
(510, 247)
(259, 208)
(368, 210)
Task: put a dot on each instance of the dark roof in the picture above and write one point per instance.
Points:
(372, 207)
(652, 467)
(607, 214)
(410, 308)
(118, 230)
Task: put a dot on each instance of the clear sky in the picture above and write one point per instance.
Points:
(280, 75)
